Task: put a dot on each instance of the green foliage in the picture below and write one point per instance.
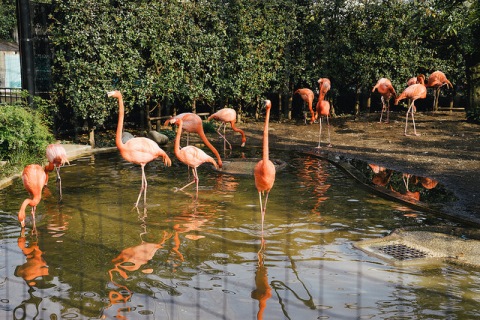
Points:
(232, 52)
(8, 19)
(23, 136)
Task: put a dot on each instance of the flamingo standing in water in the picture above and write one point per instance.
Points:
(193, 123)
(264, 171)
(413, 92)
(307, 97)
(437, 80)
(137, 150)
(33, 177)
(57, 157)
(227, 115)
(323, 110)
(386, 90)
(190, 155)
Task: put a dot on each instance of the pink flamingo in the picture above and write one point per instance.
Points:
(136, 150)
(193, 123)
(57, 157)
(33, 177)
(264, 171)
(227, 115)
(437, 80)
(324, 86)
(386, 90)
(323, 110)
(190, 155)
(413, 92)
(307, 97)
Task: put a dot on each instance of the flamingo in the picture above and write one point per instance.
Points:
(413, 92)
(57, 157)
(412, 80)
(262, 291)
(323, 110)
(190, 155)
(33, 177)
(386, 90)
(437, 80)
(307, 97)
(323, 86)
(137, 150)
(227, 115)
(264, 171)
(193, 123)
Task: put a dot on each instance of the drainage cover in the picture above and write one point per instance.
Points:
(402, 252)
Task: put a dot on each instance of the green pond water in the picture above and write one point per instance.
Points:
(96, 257)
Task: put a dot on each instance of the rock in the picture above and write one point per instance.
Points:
(126, 136)
(158, 137)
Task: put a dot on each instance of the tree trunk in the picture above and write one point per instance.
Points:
(473, 79)
(357, 102)
(194, 106)
(280, 107)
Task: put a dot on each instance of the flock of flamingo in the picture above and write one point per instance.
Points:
(140, 150)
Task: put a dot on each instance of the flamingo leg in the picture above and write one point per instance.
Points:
(328, 130)
(387, 110)
(59, 181)
(193, 181)
(383, 109)
(413, 120)
(143, 188)
(261, 209)
(319, 132)
(225, 141)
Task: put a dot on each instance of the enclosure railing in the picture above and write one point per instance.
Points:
(10, 95)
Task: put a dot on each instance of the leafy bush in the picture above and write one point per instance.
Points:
(23, 136)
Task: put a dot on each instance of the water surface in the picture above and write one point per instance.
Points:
(95, 256)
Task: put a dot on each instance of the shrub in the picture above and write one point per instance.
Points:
(23, 137)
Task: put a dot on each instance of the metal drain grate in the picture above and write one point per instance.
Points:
(402, 252)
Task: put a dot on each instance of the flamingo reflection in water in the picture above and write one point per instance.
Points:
(314, 176)
(262, 291)
(35, 269)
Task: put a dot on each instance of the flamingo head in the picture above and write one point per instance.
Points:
(114, 94)
(268, 104)
(176, 121)
(21, 217)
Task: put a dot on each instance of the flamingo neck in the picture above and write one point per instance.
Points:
(121, 114)
(176, 147)
(265, 136)
(234, 128)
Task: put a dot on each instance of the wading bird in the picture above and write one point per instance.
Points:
(33, 177)
(190, 155)
(323, 110)
(192, 123)
(264, 171)
(57, 157)
(138, 150)
(437, 80)
(226, 115)
(386, 90)
(323, 86)
(413, 92)
(307, 97)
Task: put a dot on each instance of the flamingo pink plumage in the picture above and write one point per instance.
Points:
(57, 157)
(192, 123)
(413, 92)
(227, 115)
(385, 88)
(264, 171)
(138, 150)
(190, 155)
(437, 80)
(324, 86)
(307, 97)
(33, 177)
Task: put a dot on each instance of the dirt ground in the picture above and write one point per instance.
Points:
(447, 150)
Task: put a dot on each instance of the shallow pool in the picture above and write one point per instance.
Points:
(95, 256)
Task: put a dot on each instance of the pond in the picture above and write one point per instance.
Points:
(96, 257)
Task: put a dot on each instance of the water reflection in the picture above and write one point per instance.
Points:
(33, 271)
(262, 291)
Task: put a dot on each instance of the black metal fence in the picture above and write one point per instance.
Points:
(10, 95)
